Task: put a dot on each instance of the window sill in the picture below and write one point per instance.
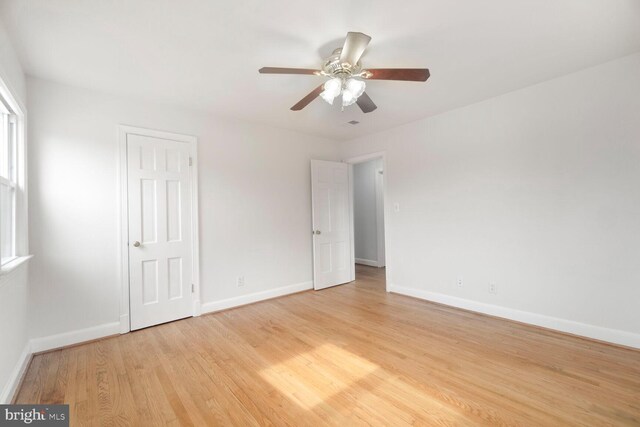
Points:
(11, 266)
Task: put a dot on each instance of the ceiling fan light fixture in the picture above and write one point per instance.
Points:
(346, 74)
(327, 97)
(332, 89)
(356, 87)
(348, 98)
(353, 88)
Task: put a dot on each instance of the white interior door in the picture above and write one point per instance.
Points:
(160, 250)
(332, 252)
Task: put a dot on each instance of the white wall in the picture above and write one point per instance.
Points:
(537, 190)
(364, 210)
(14, 286)
(14, 329)
(10, 68)
(254, 203)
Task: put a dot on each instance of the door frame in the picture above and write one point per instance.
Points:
(380, 243)
(123, 223)
(361, 159)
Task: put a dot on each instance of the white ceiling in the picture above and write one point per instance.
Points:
(205, 54)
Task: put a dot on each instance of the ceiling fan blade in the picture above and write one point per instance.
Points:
(307, 99)
(365, 103)
(278, 70)
(354, 46)
(407, 74)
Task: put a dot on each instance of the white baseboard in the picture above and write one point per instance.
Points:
(224, 304)
(368, 262)
(51, 342)
(74, 337)
(11, 387)
(614, 336)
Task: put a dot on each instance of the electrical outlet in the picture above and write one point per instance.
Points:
(493, 288)
(396, 207)
(460, 281)
(240, 281)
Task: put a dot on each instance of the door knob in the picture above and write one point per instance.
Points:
(318, 232)
(136, 244)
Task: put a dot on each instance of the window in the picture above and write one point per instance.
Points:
(8, 184)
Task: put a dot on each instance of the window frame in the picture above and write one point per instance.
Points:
(16, 181)
(9, 137)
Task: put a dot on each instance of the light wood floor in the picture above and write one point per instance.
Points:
(349, 355)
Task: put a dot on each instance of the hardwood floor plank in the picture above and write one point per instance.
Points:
(347, 355)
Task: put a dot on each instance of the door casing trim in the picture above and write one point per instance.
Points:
(123, 217)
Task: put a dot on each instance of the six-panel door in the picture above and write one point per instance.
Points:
(332, 262)
(160, 249)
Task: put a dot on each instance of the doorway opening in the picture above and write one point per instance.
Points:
(348, 196)
(368, 220)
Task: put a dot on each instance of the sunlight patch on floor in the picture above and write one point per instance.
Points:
(309, 379)
(331, 379)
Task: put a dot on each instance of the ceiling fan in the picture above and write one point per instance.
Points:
(347, 77)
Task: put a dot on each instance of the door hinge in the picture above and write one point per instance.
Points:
(193, 288)
(190, 161)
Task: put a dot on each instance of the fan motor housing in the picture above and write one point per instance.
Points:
(333, 67)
